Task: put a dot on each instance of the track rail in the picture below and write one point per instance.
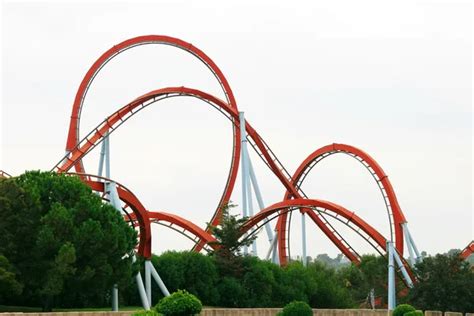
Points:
(98, 184)
(110, 124)
(394, 212)
(375, 239)
(73, 137)
(469, 250)
(4, 174)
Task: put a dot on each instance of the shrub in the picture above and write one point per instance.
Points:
(414, 313)
(296, 308)
(145, 313)
(401, 309)
(180, 303)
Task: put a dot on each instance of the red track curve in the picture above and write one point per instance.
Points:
(120, 116)
(469, 250)
(4, 174)
(73, 134)
(286, 206)
(142, 217)
(187, 226)
(395, 214)
(140, 212)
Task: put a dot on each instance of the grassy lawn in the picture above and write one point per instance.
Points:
(24, 309)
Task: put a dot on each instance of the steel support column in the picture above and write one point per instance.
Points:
(391, 277)
(148, 281)
(115, 302)
(243, 169)
(304, 258)
(158, 280)
(402, 268)
(258, 195)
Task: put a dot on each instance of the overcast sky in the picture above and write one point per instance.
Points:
(393, 79)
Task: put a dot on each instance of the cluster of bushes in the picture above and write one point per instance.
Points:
(259, 284)
(180, 303)
(406, 310)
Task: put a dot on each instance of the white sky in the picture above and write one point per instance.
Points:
(393, 79)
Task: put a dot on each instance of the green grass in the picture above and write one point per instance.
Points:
(25, 309)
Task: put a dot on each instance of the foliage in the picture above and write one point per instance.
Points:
(336, 263)
(229, 242)
(180, 303)
(189, 271)
(402, 309)
(296, 308)
(9, 285)
(231, 293)
(371, 273)
(66, 245)
(330, 291)
(445, 283)
(414, 313)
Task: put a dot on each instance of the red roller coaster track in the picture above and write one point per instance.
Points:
(294, 198)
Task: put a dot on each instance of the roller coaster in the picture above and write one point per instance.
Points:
(294, 199)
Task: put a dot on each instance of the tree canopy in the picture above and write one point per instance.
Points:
(64, 245)
(445, 283)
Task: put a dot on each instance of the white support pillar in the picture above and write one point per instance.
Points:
(414, 254)
(258, 195)
(275, 258)
(148, 281)
(402, 268)
(391, 277)
(250, 205)
(115, 202)
(243, 169)
(411, 257)
(412, 242)
(158, 280)
(101, 159)
(142, 292)
(271, 250)
(107, 156)
(115, 303)
(303, 239)
(141, 288)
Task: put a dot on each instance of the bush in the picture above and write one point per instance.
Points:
(414, 313)
(145, 313)
(401, 309)
(296, 308)
(180, 303)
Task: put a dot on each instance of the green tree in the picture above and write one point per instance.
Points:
(9, 285)
(445, 283)
(68, 247)
(330, 291)
(232, 293)
(190, 271)
(259, 282)
(371, 273)
(229, 242)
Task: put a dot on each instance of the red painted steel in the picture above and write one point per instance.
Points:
(316, 204)
(397, 216)
(184, 224)
(469, 250)
(73, 134)
(97, 184)
(4, 174)
(294, 197)
(115, 120)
